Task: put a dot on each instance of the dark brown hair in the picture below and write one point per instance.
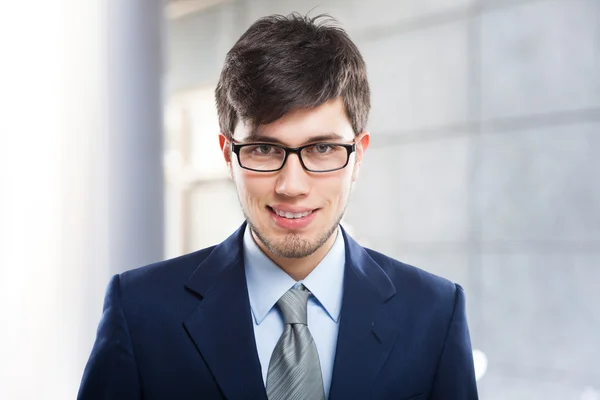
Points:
(282, 63)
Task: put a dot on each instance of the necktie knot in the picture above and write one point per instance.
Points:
(293, 305)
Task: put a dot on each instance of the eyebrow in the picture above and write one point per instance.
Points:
(325, 137)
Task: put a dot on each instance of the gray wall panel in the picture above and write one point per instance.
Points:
(540, 57)
(415, 192)
(540, 313)
(419, 79)
(500, 387)
(538, 184)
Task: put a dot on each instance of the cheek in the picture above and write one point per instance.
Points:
(337, 188)
(355, 171)
(241, 185)
(251, 189)
(346, 180)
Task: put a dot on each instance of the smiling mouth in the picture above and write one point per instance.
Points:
(290, 215)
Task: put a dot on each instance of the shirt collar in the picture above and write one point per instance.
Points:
(267, 282)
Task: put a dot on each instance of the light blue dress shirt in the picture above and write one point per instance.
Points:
(267, 283)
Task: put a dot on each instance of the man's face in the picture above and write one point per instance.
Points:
(318, 199)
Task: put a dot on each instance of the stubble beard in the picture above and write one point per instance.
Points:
(292, 245)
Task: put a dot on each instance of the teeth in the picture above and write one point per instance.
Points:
(287, 214)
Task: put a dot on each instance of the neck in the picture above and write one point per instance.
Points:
(299, 268)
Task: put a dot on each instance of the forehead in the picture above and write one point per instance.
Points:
(301, 126)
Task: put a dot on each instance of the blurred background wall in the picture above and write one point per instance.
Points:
(483, 169)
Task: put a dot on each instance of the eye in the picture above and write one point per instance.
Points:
(322, 148)
(262, 149)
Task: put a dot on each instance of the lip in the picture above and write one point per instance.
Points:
(289, 223)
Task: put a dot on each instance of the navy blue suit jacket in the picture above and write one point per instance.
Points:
(182, 329)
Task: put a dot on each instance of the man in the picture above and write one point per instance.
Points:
(289, 306)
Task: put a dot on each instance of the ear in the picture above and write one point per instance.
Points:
(362, 143)
(225, 149)
(224, 144)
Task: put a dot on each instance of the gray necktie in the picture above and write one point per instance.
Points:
(294, 369)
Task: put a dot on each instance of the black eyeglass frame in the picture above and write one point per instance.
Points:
(236, 147)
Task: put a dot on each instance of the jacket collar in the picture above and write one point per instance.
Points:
(367, 331)
(221, 325)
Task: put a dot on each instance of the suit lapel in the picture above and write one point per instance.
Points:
(366, 333)
(221, 326)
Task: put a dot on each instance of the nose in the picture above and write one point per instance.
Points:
(293, 179)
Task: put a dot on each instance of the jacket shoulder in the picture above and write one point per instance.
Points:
(423, 286)
(161, 278)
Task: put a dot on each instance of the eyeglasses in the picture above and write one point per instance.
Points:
(316, 157)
